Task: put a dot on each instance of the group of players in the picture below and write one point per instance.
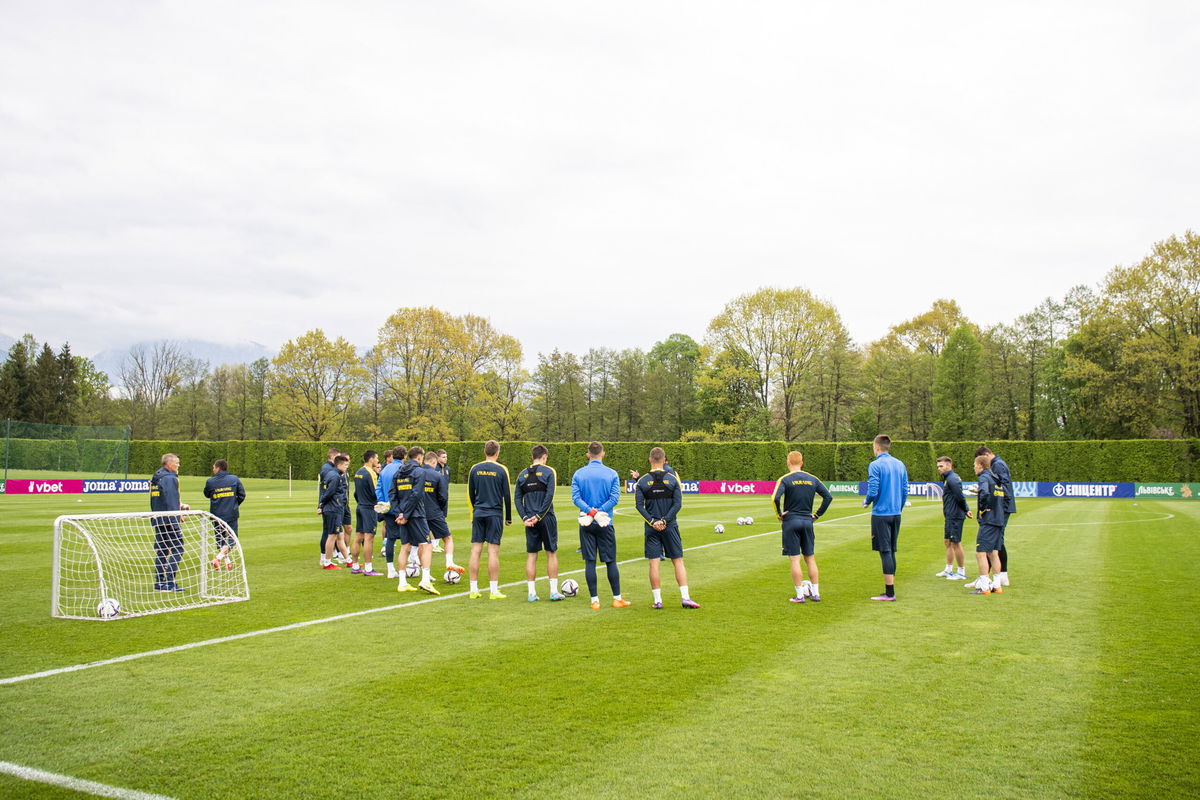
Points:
(887, 496)
(409, 491)
(996, 502)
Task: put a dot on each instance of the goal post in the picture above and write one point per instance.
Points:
(108, 566)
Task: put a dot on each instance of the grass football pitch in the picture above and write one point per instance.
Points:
(1080, 681)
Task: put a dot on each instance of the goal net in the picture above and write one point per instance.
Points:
(108, 566)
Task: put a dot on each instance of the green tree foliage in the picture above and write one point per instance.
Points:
(38, 385)
(954, 388)
(16, 381)
(782, 336)
(558, 398)
(313, 382)
(1149, 315)
(902, 367)
(1118, 360)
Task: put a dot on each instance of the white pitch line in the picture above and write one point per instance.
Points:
(77, 784)
(336, 618)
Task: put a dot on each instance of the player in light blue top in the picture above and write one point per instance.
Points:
(887, 491)
(595, 490)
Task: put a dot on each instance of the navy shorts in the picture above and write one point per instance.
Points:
(438, 527)
(989, 538)
(331, 521)
(223, 538)
(346, 516)
(486, 529)
(415, 532)
(391, 529)
(953, 529)
(542, 536)
(368, 520)
(885, 533)
(799, 538)
(598, 544)
(665, 543)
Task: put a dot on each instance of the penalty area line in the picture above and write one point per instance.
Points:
(162, 651)
(77, 784)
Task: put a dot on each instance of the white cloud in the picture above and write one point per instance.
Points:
(586, 176)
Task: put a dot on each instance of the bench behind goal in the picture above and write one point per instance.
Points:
(113, 565)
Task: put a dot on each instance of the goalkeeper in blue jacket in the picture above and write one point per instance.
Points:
(595, 490)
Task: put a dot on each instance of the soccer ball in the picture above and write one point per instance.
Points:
(108, 608)
(720, 528)
(451, 576)
(741, 520)
(569, 588)
(412, 570)
(806, 588)
(749, 520)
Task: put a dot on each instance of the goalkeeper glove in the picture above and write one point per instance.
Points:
(381, 507)
(603, 519)
(585, 519)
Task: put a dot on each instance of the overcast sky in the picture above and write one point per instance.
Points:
(599, 174)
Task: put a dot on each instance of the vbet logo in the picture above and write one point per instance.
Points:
(45, 487)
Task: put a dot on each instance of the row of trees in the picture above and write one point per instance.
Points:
(1120, 361)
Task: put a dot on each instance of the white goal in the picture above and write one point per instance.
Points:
(108, 566)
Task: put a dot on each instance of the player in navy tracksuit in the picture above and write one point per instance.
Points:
(332, 508)
(344, 539)
(793, 497)
(954, 511)
(658, 497)
(168, 533)
(533, 495)
(437, 503)
(491, 509)
(366, 520)
(990, 538)
(225, 495)
(1004, 475)
(442, 469)
(407, 496)
(323, 476)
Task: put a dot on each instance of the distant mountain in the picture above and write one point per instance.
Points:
(215, 353)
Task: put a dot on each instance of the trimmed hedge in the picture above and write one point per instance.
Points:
(1149, 460)
(102, 456)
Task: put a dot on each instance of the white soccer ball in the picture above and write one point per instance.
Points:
(451, 576)
(412, 570)
(908, 502)
(720, 528)
(749, 520)
(806, 588)
(741, 520)
(108, 608)
(569, 588)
